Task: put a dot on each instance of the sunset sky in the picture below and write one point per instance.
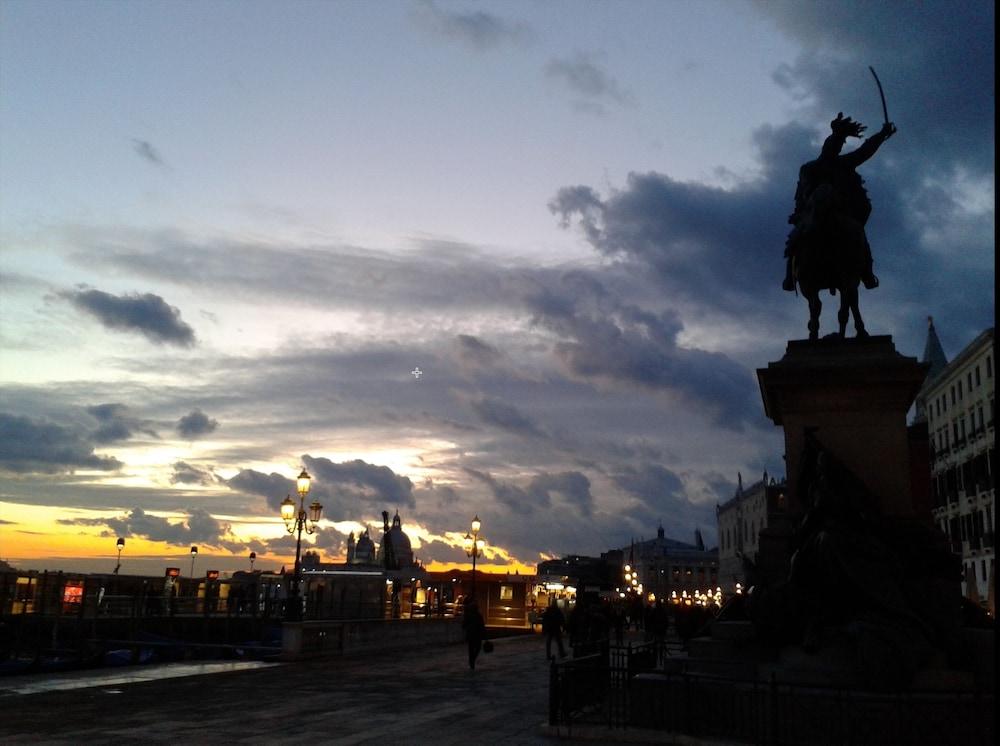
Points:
(231, 230)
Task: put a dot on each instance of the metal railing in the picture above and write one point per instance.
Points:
(595, 690)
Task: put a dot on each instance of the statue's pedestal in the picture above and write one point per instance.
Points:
(854, 393)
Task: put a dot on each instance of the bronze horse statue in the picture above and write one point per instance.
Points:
(830, 257)
(828, 249)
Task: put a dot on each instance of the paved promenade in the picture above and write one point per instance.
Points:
(424, 696)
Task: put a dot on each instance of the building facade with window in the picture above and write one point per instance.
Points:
(665, 567)
(957, 401)
(740, 521)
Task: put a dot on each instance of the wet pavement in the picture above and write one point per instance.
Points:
(39, 684)
(424, 696)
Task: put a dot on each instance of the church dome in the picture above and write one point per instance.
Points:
(401, 549)
(364, 551)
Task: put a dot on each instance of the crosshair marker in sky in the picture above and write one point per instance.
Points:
(416, 373)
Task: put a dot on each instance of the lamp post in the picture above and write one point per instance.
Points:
(194, 553)
(474, 548)
(253, 556)
(121, 545)
(295, 521)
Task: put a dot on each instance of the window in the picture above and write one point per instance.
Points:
(989, 367)
(969, 381)
(983, 573)
(978, 381)
(506, 592)
(953, 395)
(960, 389)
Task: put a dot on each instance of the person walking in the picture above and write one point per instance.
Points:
(475, 630)
(552, 626)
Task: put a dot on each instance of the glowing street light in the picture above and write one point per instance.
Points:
(295, 522)
(121, 545)
(474, 547)
(194, 553)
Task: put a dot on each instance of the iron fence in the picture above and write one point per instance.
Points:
(603, 690)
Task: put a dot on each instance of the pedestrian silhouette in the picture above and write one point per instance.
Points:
(553, 622)
(475, 630)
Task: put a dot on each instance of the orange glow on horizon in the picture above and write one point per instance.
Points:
(519, 567)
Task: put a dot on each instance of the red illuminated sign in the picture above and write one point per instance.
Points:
(173, 572)
(212, 575)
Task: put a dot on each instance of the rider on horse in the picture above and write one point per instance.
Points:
(830, 196)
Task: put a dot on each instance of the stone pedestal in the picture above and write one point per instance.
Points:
(855, 393)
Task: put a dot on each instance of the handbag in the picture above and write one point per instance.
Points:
(487, 646)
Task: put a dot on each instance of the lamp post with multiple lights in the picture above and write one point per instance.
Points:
(121, 545)
(474, 548)
(295, 522)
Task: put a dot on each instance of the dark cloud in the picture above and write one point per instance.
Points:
(585, 77)
(572, 486)
(347, 490)
(116, 424)
(476, 354)
(28, 445)
(605, 339)
(185, 473)
(359, 480)
(511, 496)
(145, 150)
(497, 413)
(200, 527)
(935, 60)
(195, 424)
(273, 487)
(651, 483)
(478, 29)
(147, 314)
(438, 276)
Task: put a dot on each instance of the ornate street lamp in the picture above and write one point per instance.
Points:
(121, 545)
(295, 522)
(253, 556)
(474, 547)
(194, 553)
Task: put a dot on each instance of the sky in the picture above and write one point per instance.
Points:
(517, 260)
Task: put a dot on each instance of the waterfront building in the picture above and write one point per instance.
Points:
(668, 569)
(957, 403)
(740, 520)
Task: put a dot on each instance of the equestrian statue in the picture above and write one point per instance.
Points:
(827, 248)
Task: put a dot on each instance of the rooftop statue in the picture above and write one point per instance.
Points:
(827, 248)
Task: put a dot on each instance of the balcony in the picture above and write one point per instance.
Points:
(988, 540)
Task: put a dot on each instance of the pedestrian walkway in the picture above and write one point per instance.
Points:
(40, 683)
(423, 696)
